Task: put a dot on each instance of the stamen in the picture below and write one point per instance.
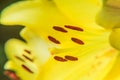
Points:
(78, 41)
(59, 29)
(71, 58)
(74, 28)
(26, 68)
(53, 40)
(19, 58)
(27, 58)
(27, 51)
(59, 59)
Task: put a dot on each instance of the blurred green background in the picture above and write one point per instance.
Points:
(6, 32)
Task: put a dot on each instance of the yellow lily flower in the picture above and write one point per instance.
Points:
(62, 42)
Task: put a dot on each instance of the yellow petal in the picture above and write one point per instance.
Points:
(76, 11)
(44, 24)
(114, 74)
(94, 66)
(13, 12)
(80, 11)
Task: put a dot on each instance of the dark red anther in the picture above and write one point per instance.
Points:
(72, 58)
(19, 58)
(78, 41)
(59, 29)
(59, 59)
(27, 51)
(74, 28)
(53, 40)
(27, 58)
(26, 68)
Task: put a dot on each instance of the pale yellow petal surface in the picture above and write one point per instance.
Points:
(80, 11)
(92, 67)
(44, 16)
(114, 74)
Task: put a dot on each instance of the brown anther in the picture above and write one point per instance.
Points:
(59, 29)
(74, 28)
(78, 41)
(19, 58)
(72, 58)
(27, 51)
(27, 58)
(59, 59)
(53, 40)
(26, 68)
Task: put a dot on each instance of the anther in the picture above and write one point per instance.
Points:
(27, 51)
(59, 59)
(74, 28)
(57, 28)
(19, 58)
(27, 58)
(26, 68)
(53, 40)
(78, 41)
(72, 58)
